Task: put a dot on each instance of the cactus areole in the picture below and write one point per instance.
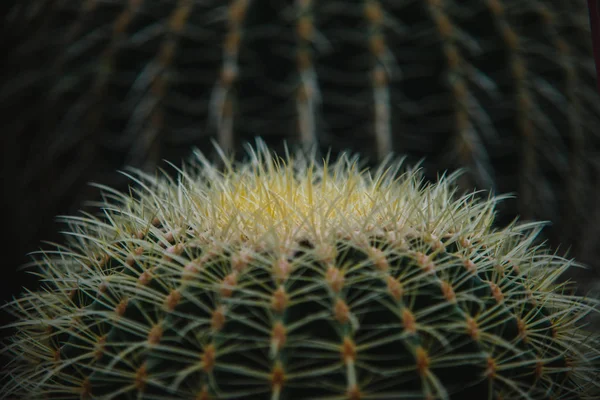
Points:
(298, 278)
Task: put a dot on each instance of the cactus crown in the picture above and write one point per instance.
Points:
(291, 279)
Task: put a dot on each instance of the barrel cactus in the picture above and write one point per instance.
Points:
(290, 278)
(505, 88)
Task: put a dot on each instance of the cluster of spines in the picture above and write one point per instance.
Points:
(169, 294)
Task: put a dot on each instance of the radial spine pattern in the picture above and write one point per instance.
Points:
(291, 278)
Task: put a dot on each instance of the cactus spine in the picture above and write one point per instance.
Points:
(287, 279)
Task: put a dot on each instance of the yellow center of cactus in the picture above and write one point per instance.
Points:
(274, 202)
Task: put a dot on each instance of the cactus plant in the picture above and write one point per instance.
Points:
(503, 87)
(294, 279)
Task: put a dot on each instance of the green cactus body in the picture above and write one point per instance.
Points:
(502, 87)
(284, 279)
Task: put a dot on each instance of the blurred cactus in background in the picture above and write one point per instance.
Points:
(594, 7)
(505, 89)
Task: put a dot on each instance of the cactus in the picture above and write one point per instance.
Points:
(502, 87)
(293, 279)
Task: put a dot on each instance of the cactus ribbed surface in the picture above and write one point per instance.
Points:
(284, 279)
(503, 87)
